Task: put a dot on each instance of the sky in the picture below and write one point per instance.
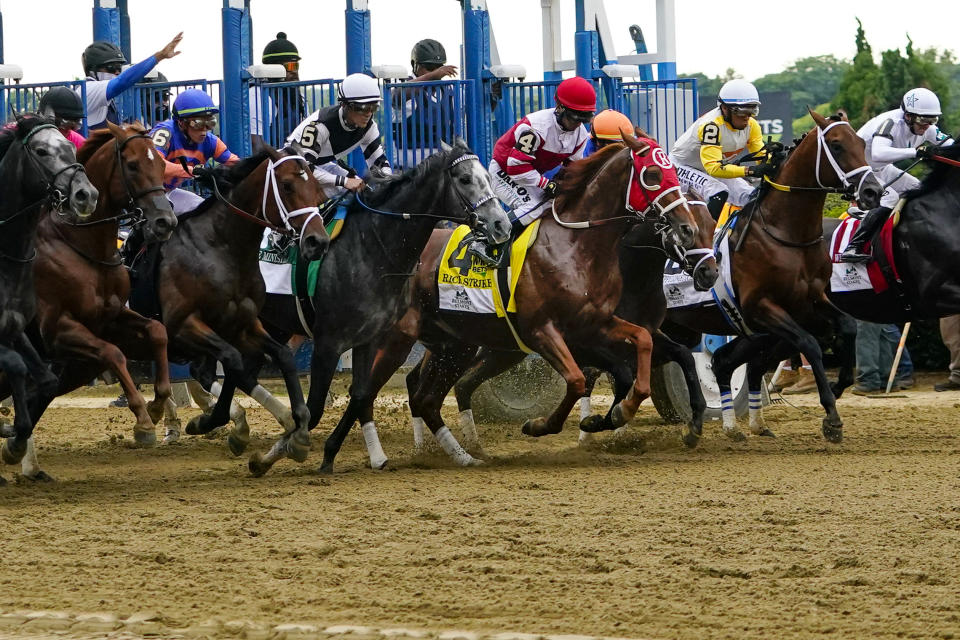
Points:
(753, 38)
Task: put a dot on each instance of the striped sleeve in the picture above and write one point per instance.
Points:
(221, 154)
(373, 150)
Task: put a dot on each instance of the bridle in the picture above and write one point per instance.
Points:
(685, 256)
(470, 208)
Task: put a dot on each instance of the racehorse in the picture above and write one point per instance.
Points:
(38, 173)
(208, 285)
(779, 267)
(363, 287)
(82, 285)
(567, 291)
(643, 254)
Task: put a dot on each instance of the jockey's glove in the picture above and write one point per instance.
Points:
(202, 172)
(926, 150)
(550, 190)
(760, 170)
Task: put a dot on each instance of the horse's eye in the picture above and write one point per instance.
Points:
(465, 180)
(287, 187)
(836, 147)
(133, 166)
(42, 152)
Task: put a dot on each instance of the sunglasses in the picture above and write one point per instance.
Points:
(113, 68)
(745, 109)
(202, 123)
(366, 108)
(72, 125)
(293, 65)
(578, 116)
(926, 119)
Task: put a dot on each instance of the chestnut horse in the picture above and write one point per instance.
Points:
(208, 282)
(567, 292)
(39, 173)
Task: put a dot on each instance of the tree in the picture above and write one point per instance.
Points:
(859, 92)
(707, 86)
(810, 81)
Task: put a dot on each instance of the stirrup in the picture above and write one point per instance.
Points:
(489, 255)
(854, 255)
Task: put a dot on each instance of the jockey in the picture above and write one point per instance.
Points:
(606, 129)
(539, 142)
(703, 154)
(901, 134)
(186, 142)
(333, 132)
(102, 64)
(65, 108)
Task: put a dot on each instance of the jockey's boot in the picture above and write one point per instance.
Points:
(869, 226)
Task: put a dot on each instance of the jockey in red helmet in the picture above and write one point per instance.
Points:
(541, 141)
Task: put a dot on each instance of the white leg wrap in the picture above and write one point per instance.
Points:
(279, 410)
(29, 465)
(453, 448)
(619, 431)
(419, 428)
(378, 459)
(729, 415)
(585, 412)
(469, 428)
(756, 412)
(203, 399)
(586, 438)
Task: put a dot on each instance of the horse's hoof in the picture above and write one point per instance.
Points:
(7, 430)
(144, 438)
(236, 444)
(199, 425)
(379, 465)
(592, 424)
(534, 427)
(155, 410)
(172, 436)
(13, 453)
(735, 434)
(326, 468)
(39, 476)
(216, 433)
(832, 433)
(258, 468)
(690, 438)
(476, 450)
(765, 433)
(299, 446)
(618, 416)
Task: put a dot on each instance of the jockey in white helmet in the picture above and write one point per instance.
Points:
(901, 134)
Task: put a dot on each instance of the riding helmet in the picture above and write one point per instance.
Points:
(428, 51)
(280, 50)
(359, 87)
(578, 94)
(193, 102)
(921, 101)
(100, 54)
(65, 103)
(738, 91)
(608, 123)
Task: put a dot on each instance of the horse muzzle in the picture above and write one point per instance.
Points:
(313, 246)
(83, 200)
(705, 275)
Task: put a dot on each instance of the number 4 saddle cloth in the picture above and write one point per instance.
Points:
(466, 285)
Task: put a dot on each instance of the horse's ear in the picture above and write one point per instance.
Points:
(116, 130)
(460, 142)
(444, 146)
(819, 119)
(257, 142)
(842, 114)
(640, 133)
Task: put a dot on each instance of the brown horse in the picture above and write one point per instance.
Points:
(568, 289)
(83, 286)
(781, 269)
(208, 281)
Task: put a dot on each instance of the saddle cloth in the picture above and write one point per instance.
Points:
(278, 255)
(679, 290)
(861, 276)
(466, 285)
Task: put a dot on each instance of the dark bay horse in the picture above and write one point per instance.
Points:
(567, 292)
(39, 172)
(83, 285)
(779, 266)
(642, 256)
(364, 284)
(208, 281)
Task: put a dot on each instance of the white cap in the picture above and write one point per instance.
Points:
(359, 87)
(738, 92)
(922, 102)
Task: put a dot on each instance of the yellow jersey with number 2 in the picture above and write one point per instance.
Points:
(711, 140)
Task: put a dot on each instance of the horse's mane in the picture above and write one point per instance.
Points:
(24, 125)
(99, 137)
(577, 175)
(938, 174)
(388, 187)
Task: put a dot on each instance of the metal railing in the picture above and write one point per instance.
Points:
(276, 108)
(25, 98)
(417, 116)
(151, 102)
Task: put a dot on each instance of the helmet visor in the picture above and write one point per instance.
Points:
(292, 66)
(926, 119)
(581, 117)
(202, 123)
(72, 124)
(114, 67)
(744, 109)
(366, 108)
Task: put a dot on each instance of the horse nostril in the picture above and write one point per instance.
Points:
(81, 195)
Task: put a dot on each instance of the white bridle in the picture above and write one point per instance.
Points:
(844, 178)
(271, 184)
(704, 253)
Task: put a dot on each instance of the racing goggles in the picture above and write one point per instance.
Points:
(366, 108)
(114, 68)
(925, 119)
(68, 123)
(744, 109)
(292, 66)
(582, 117)
(201, 123)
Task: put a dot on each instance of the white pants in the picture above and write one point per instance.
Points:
(901, 181)
(738, 190)
(526, 203)
(183, 200)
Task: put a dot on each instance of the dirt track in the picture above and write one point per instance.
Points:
(637, 538)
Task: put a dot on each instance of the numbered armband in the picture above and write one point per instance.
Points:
(161, 139)
(528, 142)
(308, 137)
(710, 134)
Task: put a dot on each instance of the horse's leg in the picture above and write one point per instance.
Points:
(618, 331)
(845, 349)
(666, 350)
(726, 359)
(756, 368)
(15, 446)
(779, 322)
(437, 376)
(412, 382)
(548, 342)
(488, 364)
(145, 339)
(607, 360)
